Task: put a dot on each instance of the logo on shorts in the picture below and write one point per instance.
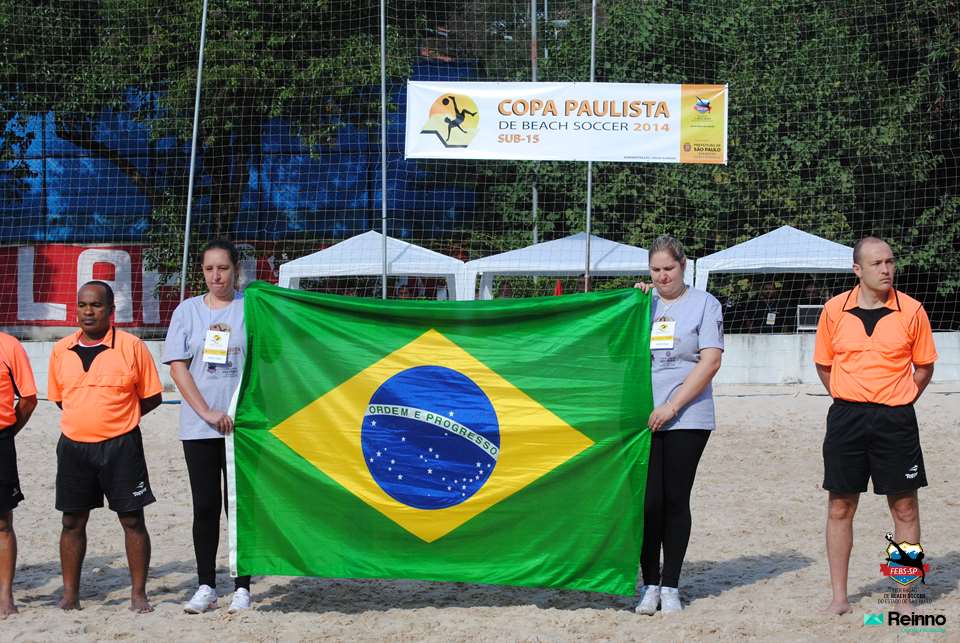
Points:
(140, 489)
(905, 564)
(912, 472)
(15, 491)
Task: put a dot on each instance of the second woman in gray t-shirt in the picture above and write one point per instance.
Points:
(686, 346)
(205, 348)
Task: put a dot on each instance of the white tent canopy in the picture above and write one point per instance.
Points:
(561, 257)
(785, 249)
(362, 255)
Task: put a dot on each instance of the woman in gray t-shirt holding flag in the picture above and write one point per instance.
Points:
(686, 344)
(205, 347)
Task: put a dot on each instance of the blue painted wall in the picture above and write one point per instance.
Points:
(334, 192)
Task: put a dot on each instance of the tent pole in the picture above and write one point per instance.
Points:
(193, 157)
(383, 142)
(593, 77)
(535, 192)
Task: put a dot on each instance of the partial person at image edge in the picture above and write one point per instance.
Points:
(18, 399)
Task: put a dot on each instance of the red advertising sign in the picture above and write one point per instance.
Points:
(38, 284)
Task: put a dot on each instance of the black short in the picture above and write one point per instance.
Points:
(115, 468)
(10, 492)
(872, 441)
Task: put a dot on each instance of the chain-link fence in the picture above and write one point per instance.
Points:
(844, 121)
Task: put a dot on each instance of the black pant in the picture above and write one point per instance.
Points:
(674, 456)
(207, 466)
(10, 494)
(115, 468)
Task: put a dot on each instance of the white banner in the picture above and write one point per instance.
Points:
(567, 122)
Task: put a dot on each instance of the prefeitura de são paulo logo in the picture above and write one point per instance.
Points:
(454, 119)
(430, 437)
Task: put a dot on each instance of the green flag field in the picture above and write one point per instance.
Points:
(499, 442)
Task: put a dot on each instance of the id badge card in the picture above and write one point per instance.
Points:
(771, 319)
(215, 347)
(661, 335)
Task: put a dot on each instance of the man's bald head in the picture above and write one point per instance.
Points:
(866, 241)
(874, 265)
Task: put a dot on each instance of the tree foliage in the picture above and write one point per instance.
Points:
(841, 124)
(307, 61)
(845, 116)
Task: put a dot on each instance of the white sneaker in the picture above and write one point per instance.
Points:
(670, 600)
(205, 598)
(241, 600)
(649, 601)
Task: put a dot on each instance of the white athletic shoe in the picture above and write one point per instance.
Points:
(241, 601)
(205, 598)
(649, 601)
(670, 600)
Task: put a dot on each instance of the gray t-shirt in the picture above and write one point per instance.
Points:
(699, 319)
(216, 382)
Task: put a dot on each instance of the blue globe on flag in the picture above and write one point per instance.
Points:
(430, 437)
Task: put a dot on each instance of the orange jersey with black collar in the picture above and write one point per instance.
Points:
(872, 352)
(103, 401)
(16, 378)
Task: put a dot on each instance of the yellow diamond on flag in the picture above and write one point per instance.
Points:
(533, 440)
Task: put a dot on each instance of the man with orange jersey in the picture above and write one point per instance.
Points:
(874, 354)
(104, 379)
(18, 399)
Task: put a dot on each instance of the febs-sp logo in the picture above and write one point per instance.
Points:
(454, 119)
(904, 562)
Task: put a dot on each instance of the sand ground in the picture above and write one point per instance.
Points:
(755, 566)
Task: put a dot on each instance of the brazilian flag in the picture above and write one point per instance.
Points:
(495, 442)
